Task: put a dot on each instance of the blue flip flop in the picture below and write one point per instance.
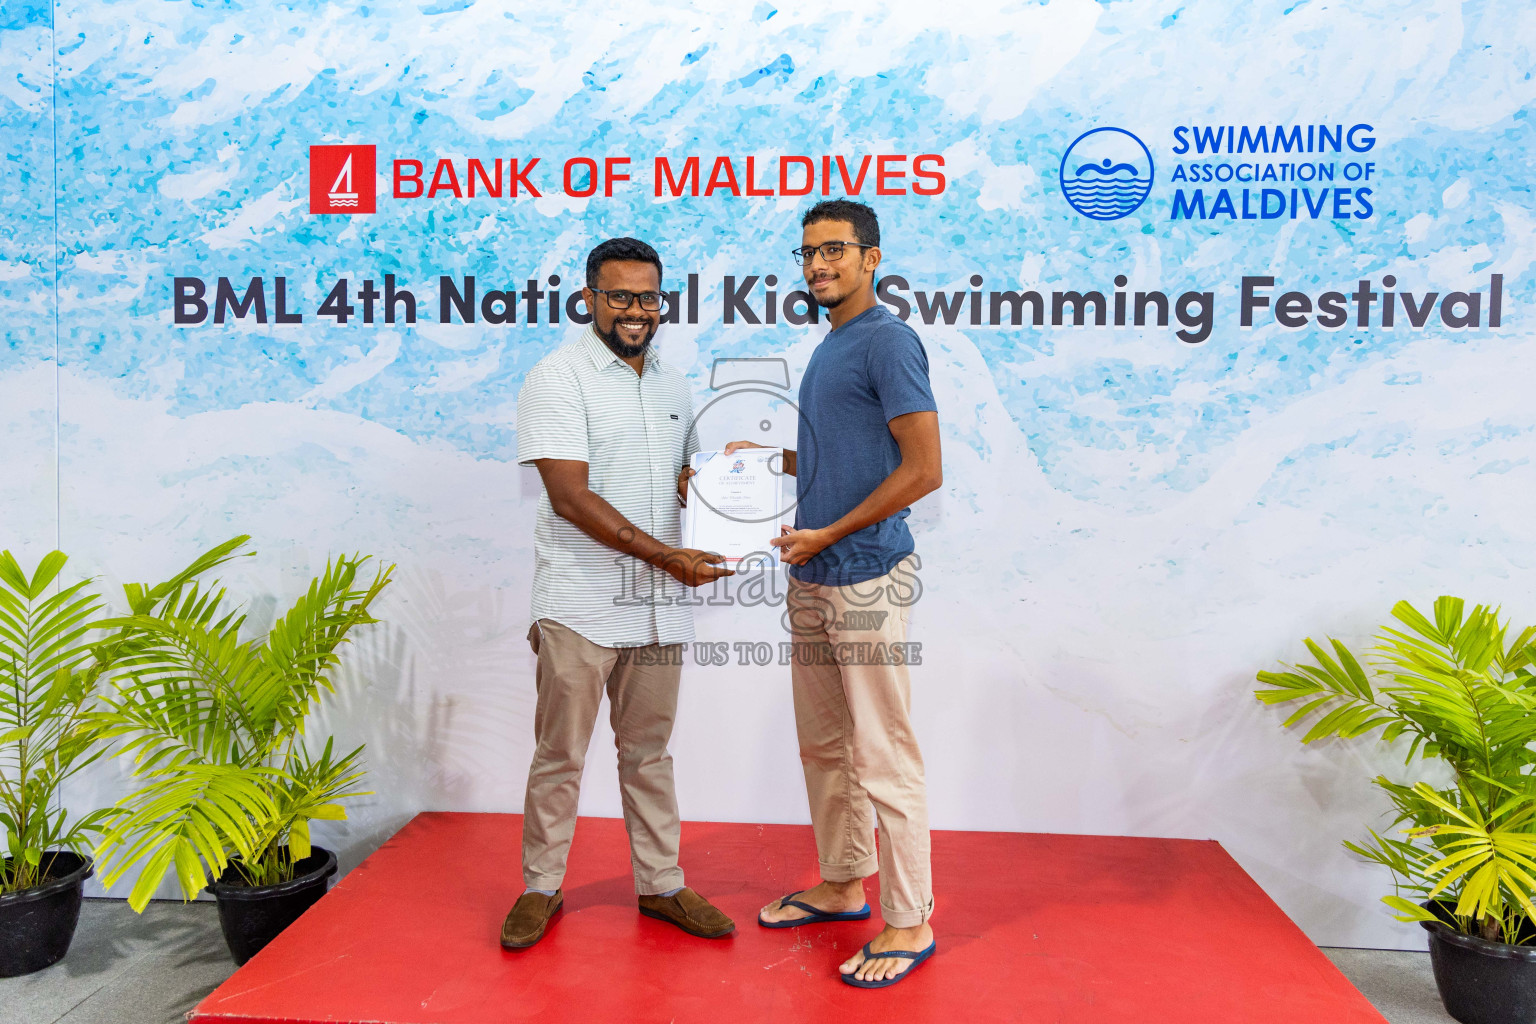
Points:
(817, 916)
(916, 959)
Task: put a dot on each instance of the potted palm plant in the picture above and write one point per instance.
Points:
(47, 734)
(228, 783)
(1460, 689)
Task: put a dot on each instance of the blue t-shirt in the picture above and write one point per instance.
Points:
(862, 375)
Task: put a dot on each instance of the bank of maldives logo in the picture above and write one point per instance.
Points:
(341, 179)
(1106, 173)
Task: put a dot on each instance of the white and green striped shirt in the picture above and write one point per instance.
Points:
(635, 433)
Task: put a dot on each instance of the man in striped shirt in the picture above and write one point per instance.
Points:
(610, 427)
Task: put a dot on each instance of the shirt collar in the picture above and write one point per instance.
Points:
(603, 356)
(872, 311)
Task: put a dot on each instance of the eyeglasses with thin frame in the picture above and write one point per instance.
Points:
(619, 298)
(830, 251)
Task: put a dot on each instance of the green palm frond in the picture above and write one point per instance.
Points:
(318, 787)
(1489, 858)
(215, 726)
(302, 646)
(48, 731)
(1461, 690)
(143, 600)
(202, 809)
(181, 597)
(181, 692)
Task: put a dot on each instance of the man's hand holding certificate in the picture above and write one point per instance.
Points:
(735, 502)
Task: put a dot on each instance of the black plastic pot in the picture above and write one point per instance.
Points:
(252, 915)
(37, 924)
(1481, 982)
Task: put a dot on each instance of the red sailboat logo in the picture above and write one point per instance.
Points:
(349, 173)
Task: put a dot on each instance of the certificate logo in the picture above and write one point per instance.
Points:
(1106, 173)
(341, 179)
(739, 467)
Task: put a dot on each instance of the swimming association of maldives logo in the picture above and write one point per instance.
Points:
(739, 467)
(1106, 173)
(341, 179)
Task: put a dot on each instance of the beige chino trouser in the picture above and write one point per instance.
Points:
(641, 683)
(857, 745)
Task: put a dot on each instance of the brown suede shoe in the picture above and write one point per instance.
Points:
(529, 916)
(690, 912)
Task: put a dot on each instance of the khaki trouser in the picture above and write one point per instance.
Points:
(641, 683)
(857, 746)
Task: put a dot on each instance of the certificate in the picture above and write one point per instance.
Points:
(735, 502)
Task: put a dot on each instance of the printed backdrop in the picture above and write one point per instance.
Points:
(1134, 518)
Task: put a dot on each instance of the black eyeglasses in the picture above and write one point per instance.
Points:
(618, 298)
(830, 251)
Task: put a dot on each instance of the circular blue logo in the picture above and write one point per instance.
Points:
(1106, 173)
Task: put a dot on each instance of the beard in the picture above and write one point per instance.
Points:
(611, 339)
(832, 299)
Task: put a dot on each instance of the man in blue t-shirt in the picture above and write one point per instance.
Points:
(868, 448)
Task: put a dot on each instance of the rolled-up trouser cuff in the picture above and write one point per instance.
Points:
(906, 918)
(862, 868)
(543, 881)
(665, 882)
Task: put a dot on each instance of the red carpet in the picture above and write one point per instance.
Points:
(1030, 928)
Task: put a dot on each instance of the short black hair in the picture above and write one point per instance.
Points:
(866, 226)
(620, 249)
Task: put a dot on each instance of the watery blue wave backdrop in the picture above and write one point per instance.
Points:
(1131, 524)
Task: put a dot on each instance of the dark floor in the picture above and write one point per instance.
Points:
(153, 968)
(125, 968)
(1398, 984)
